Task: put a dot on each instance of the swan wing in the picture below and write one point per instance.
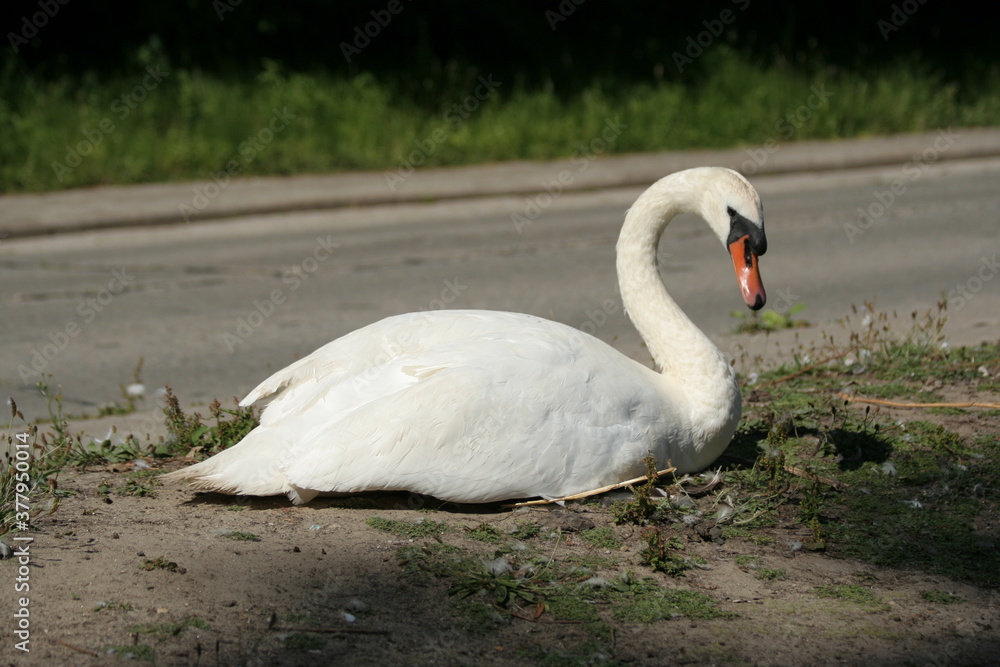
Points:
(486, 406)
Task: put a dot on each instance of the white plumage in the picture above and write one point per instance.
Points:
(480, 406)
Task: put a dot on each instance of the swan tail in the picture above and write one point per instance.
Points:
(250, 468)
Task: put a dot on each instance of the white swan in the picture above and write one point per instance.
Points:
(480, 406)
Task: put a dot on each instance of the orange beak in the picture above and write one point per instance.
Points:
(747, 275)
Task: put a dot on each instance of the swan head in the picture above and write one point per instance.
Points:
(732, 208)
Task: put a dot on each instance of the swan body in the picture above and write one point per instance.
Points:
(480, 406)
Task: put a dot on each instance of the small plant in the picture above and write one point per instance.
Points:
(241, 536)
(138, 488)
(640, 508)
(161, 564)
(769, 320)
(661, 553)
(496, 580)
(768, 574)
(809, 511)
(189, 434)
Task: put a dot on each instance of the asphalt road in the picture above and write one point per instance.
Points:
(213, 308)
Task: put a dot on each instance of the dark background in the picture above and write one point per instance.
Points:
(431, 46)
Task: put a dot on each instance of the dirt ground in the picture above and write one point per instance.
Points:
(320, 560)
(323, 570)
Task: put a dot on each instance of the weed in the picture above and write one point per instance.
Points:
(497, 581)
(769, 320)
(161, 564)
(241, 536)
(138, 488)
(189, 434)
(768, 574)
(424, 563)
(661, 553)
(31, 464)
(810, 508)
(641, 507)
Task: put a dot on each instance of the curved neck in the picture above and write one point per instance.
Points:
(679, 349)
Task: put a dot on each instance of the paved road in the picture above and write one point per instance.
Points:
(213, 308)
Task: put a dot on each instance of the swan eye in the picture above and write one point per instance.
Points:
(731, 211)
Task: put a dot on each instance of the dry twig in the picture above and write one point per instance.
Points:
(903, 404)
(587, 494)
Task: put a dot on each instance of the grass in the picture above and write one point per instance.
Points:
(412, 530)
(769, 320)
(852, 593)
(71, 132)
(941, 597)
(168, 630)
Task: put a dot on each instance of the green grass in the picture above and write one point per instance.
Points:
(241, 536)
(941, 597)
(191, 124)
(168, 630)
(602, 538)
(412, 530)
(852, 593)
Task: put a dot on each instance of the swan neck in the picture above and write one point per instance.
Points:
(679, 349)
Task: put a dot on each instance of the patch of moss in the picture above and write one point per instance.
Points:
(302, 641)
(570, 607)
(602, 538)
(852, 593)
(412, 530)
(240, 536)
(941, 597)
(669, 604)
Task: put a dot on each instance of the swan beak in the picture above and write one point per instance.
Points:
(747, 275)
